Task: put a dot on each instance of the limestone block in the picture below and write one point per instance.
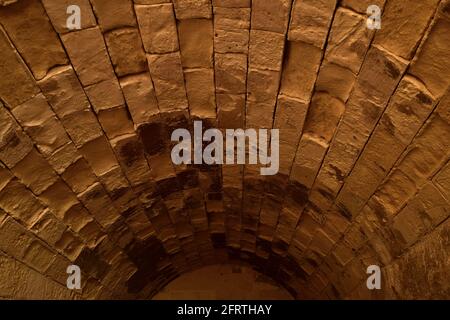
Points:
(290, 113)
(14, 144)
(35, 172)
(335, 80)
(39, 256)
(57, 12)
(158, 28)
(105, 95)
(308, 160)
(344, 50)
(79, 176)
(114, 14)
(62, 158)
(323, 116)
(116, 121)
(196, 43)
(403, 25)
(200, 91)
(99, 155)
(140, 97)
(300, 70)
(16, 85)
(77, 217)
(266, 50)
(130, 153)
(14, 238)
(59, 198)
(32, 34)
(96, 200)
(90, 61)
(231, 41)
(20, 203)
(432, 205)
(40, 123)
(433, 61)
(230, 73)
(310, 21)
(231, 3)
(191, 9)
(230, 110)
(126, 52)
(361, 6)
(271, 15)
(231, 18)
(48, 227)
(82, 127)
(442, 179)
(63, 91)
(167, 76)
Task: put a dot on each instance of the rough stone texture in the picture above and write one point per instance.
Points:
(86, 116)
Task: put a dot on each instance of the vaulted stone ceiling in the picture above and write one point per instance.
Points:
(86, 176)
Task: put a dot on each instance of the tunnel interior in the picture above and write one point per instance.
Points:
(91, 92)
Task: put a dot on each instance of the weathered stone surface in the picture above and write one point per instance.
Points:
(105, 95)
(125, 49)
(16, 84)
(56, 8)
(82, 127)
(271, 15)
(63, 91)
(300, 70)
(99, 155)
(191, 9)
(90, 61)
(140, 97)
(116, 121)
(113, 15)
(200, 92)
(167, 76)
(158, 28)
(266, 50)
(404, 23)
(433, 60)
(310, 21)
(230, 73)
(196, 43)
(31, 35)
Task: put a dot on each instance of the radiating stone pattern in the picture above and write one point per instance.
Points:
(86, 117)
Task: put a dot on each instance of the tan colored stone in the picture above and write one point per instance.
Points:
(231, 41)
(433, 60)
(310, 21)
(31, 35)
(192, 9)
(201, 92)
(266, 50)
(20, 203)
(114, 14)
(196, 43)
(140, 97)
(99, 155)
(82, 127)
(230, 73)
(126, 52)
(79, 176)
(105, 95)
(56, 8)
(116, 121)
(35, 172)
(16, 84)
(167, 76)
(63, 91)
(158, 28)
(344, 50)
(90, 61)
(335, 80)
(230, 110)
(403, 25)
(271, 15)
(63, 157)
(300, 70)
